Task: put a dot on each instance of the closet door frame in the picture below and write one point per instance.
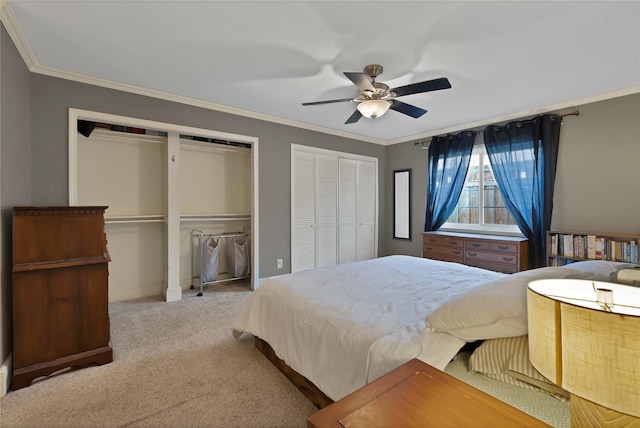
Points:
(172, 289)
(338, 155)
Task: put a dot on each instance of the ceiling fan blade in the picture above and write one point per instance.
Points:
(314, 103)
(354, 117)
(419, 87)
(408, 109)
(361, 80)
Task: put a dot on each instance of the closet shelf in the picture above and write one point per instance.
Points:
(214, 217)
(152, 218)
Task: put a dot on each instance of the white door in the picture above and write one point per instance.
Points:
(357, 210)
(347, 218)
(303, 213)
(326, 210)
(334, 208)
(366, 211)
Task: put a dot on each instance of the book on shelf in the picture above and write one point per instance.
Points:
(553, 249)
(599, 247)
(567, 249)
(592, 247)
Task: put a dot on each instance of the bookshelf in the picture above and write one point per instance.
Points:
(567, 246)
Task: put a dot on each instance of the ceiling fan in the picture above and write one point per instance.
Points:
(375, 98)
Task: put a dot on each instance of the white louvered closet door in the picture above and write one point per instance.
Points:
(326, 210)
(315, 186)
(357, 210)
(366, 211)
(334, 204)
(303, 240)
(347, 217)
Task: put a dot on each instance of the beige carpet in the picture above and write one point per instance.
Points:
(175, 365)
(178, 365)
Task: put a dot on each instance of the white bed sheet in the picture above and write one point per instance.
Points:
(346, 325)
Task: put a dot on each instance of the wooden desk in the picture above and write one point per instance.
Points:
(418, 395)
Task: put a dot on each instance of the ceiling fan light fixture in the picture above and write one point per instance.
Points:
(373, 108)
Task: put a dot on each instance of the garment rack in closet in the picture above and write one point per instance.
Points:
(202, 242)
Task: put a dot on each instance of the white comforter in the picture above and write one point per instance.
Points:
(345, 325)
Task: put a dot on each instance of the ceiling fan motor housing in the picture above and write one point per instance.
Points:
(375, 98)
(373, 70)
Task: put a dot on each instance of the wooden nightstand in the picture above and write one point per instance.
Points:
(418, 395)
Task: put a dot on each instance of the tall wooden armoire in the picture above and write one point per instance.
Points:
(60, 290)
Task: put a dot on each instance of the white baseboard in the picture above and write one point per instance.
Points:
(131, 293)
(269, 278)
(171, 294)
(4, 376)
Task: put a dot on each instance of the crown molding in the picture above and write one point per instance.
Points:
(553, 108)
(53, 72)
(14, 30)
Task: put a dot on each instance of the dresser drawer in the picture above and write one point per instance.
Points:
(498, 267)
(476, 244)
(447, 254)
(491, 257)
(448, 241)
(503, 247)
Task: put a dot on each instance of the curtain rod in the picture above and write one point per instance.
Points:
(573, 113)
(425, 144)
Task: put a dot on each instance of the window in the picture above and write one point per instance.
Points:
(481, 210)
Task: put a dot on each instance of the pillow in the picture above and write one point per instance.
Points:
(602, 270)
(496, 308)
(627, 275)
(607, 270)
(507, 359)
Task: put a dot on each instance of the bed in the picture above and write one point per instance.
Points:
(341, 327)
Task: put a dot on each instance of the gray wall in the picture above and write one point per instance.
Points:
(52, 97)
(597, 188)
(35, 153)
(407, 156)
(597, 181)
(598, 178)
(15, 161)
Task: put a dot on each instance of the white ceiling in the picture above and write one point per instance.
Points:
(504, 59)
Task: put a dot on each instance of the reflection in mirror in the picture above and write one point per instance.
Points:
(402, 204)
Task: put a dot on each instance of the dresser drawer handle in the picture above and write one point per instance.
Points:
(431, 239)
(503, 247)
(476, 245)
(507, 259)
(428, 248)
(456, 253)
(473, 254)
(453, 242)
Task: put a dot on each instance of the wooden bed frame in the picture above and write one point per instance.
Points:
(317, 397)
(308, 388)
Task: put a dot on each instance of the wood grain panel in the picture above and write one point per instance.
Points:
(585, 414)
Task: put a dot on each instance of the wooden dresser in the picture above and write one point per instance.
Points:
(508, 254)
(60, 290)
(418, 395)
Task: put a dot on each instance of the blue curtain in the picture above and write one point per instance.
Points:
(523, 156)
(449, 158)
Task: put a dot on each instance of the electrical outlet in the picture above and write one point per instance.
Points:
(279, 263)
